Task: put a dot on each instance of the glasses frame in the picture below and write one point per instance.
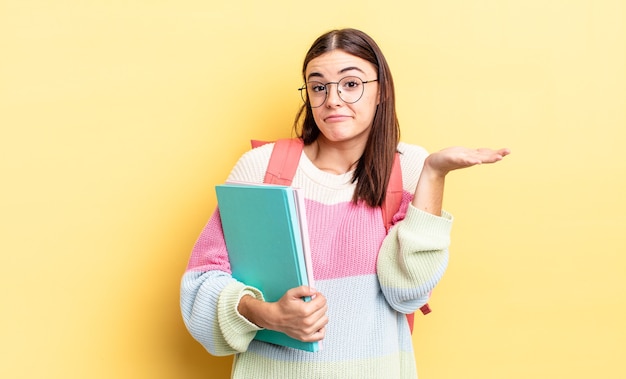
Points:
(304, 95)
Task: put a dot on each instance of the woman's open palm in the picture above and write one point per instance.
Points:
(457, 157)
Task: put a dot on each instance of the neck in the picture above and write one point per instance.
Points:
(333, 158)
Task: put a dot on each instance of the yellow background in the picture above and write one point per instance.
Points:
(117, 119)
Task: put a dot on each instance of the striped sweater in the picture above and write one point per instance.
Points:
(369, 278)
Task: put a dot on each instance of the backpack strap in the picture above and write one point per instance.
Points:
(283, 161)
(393, 197)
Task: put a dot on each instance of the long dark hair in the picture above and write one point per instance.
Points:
(374, 167)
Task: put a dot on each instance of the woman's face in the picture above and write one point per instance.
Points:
(337, 120)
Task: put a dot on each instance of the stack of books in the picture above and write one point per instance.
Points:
(268, 244)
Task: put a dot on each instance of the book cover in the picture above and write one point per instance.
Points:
(264, 226)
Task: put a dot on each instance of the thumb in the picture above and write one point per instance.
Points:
(302, 291)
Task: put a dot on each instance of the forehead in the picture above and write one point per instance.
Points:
(338, 63)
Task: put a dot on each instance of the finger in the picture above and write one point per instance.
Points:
(502, 152)
(491, 156)
(318, 310)
(302, 291)
(317, 335)
(320, 334)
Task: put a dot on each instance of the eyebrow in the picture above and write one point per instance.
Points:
(343, 70)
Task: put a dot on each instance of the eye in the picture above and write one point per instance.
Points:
(351, 84)
(316, 87)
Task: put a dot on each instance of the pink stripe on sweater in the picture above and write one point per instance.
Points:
(209, 252)
(345, 239)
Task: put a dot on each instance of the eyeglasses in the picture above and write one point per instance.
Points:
(350, 90)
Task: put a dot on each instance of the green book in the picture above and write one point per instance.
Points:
(267, 240)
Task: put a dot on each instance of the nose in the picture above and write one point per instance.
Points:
(332, 95)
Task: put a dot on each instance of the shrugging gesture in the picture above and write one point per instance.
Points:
(429, 191)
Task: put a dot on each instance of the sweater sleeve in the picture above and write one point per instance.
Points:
(413, 258)
(414, 255)
(209, 295)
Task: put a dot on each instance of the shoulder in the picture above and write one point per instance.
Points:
(412, 159)
(252, 165)
(412, 152)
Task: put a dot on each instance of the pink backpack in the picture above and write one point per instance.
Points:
(284, 163)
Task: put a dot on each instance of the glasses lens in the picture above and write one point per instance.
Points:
(316, 92)
(350, 89)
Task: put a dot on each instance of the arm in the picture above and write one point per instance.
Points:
(413, 258)
(224, 314)
(429, 191)
(414, 255)
(209, 296)
(305, 321)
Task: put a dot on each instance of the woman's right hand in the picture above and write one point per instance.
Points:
(304, 321)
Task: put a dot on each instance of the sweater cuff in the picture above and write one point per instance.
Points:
(236, 329)
(418, 215)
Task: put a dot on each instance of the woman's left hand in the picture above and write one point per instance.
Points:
(429, 191)
(454, 158)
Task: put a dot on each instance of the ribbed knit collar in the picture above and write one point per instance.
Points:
(324, 178)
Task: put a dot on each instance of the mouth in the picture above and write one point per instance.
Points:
(336, 118)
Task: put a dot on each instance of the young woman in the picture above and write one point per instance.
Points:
(366, 278)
